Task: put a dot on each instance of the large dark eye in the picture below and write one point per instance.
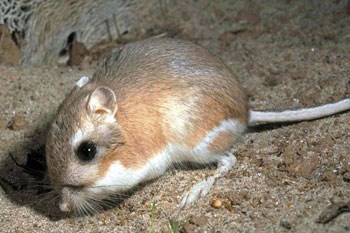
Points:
(86, 151)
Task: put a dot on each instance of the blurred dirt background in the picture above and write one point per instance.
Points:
(289, 178)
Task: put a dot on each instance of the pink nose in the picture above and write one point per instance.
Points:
(66, 204)
(65, 207)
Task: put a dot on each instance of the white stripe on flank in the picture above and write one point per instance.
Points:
(229, 125)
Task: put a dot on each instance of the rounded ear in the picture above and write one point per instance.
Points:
(103, 101)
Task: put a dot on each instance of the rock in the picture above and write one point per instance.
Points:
(17, 122)
(216, 203)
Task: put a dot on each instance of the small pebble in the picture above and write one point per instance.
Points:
(17, 122)
(216, 203)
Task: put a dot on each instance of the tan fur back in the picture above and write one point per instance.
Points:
(159, 81)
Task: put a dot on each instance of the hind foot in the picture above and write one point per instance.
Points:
(202, 188)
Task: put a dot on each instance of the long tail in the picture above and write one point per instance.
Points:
(257, 117)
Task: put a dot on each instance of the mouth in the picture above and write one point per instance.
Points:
(83, 200)
(87, 199)
(71, 198)
(65, 207)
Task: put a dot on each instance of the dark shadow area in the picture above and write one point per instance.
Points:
(68, 45)
(269, 126)
(25, 183)
(190, 166)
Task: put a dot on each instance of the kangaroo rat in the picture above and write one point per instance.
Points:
(150, 104)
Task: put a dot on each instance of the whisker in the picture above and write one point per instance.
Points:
(89, 207)
(97, 207)
(80, 210)
(104, 203)
(97, 202)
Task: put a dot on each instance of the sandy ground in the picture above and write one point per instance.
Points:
(287, 54)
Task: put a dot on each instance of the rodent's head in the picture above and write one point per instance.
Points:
(82, 135)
